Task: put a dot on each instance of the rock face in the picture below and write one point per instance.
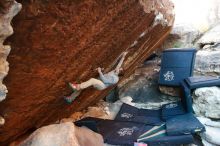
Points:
(57, 41)
(182, 36)
(212, 36)
(208, 57)
(211, 136)
(8, 9)
(172, 91)
(64, 134)
(207, 102)
(207, 62)
(143, 87)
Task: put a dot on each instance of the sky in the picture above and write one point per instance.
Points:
(198, 13)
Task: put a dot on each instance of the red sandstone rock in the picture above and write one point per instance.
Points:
(57, 41)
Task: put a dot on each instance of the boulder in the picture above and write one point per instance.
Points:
(211, 36)
(59, 41)
(206, 102)
(64, 134)
(143, 87)
(211, 47)
(182, 36)
(208, 57)
(172, 91)
(107, 110)
(211, 135)
(7, 11)
(207, 62)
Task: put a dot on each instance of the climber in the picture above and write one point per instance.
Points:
(105, 81)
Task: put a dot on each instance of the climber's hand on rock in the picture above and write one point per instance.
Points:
(125, 53)
(99, 69)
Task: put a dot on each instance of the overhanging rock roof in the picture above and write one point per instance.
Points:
(57, 41)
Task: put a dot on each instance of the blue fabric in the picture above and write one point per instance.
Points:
(178, 57)
(170, 140)
(173, 76)
(121, 133)
(157, 136)
(176, 65)
(184, 124)
(187, 98)
(172, 109)
(157, 131)
(109, 78)
(115, 132)
(202, 81)
(89, 122)
(130, 113)
(126, 133)
(149, 112)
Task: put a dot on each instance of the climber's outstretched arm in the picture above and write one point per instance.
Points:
(117, 69)
(100, 73)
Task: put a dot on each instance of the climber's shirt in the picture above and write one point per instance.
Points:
(109, 78)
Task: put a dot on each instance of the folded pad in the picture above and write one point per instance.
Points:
(157, 136)
(126, 133)
(187, 99)
(184, 124)
(115, 132)
(202, 81)
(154, 132)
(89, 122)
(121, 133)
(172, 109)
(170, 140)
(130, 113)
(196, 82)
(176, 65)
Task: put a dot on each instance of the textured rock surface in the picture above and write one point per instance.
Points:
(103, 110)
(211, 135)
(172, 91)
(212, 36)
(208, 57)
(206, 102)
(57, 41)
(182, 36)
(207, 62)
(143, 87)
(8, 9)
(64, 134)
